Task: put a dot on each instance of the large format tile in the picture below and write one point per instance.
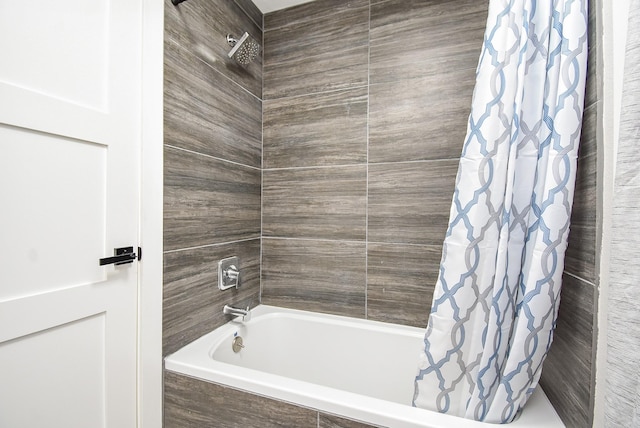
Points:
(304, 13)
(595, 66)
(410, 202)
(208, 201)
(580, 257)
(592, 89)
(193, 403)
(400, 282)
(202, 27)
(325, 203)
(320, 50)
(192, 302)
(319, 129)
(422, 118)
(251, 10)
(321, 276)
(206, 113)
(332, 421)
(567, 372)
(422, 74)
(417, 38)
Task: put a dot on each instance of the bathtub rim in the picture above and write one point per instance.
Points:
(194, 360)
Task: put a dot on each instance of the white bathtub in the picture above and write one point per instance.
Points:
(353, 368)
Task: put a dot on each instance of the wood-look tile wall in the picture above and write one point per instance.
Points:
(568, 376)
(213, 161)
(420, 75)
(193, 403)
(365, 112)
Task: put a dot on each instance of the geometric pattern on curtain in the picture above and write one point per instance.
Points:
(496, 299)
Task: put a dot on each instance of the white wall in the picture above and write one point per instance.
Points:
(615, 17)
(150, 296)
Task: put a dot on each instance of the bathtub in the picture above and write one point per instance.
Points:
(357, 369)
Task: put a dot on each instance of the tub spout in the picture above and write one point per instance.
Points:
(244, 313)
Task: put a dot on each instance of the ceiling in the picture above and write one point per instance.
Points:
(267, 6)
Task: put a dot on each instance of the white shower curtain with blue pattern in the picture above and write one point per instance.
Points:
(497, 295)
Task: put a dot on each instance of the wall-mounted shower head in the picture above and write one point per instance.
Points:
(245, 49)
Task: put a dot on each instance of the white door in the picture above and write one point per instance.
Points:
(69, 194)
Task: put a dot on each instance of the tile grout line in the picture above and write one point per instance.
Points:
(205, 62)
(248, 15)
(316, 93)
(365, 163)
(218, 244)
(366, 210)
(349, 241)
(211, 157)
(579, 278)
(261, 165)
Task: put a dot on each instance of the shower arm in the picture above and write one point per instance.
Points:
(177, 2)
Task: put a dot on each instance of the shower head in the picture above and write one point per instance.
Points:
(245, 49)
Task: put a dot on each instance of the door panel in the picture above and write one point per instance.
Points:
(79, 366)
(58, 185)
(58, 50)
(69, 188)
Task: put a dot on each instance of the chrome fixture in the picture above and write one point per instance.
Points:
(237, 312)
(245, 49)
(237, 344)
(228, 273)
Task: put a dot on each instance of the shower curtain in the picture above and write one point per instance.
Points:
(498, 289)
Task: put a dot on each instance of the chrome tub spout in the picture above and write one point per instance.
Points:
(239, 312)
